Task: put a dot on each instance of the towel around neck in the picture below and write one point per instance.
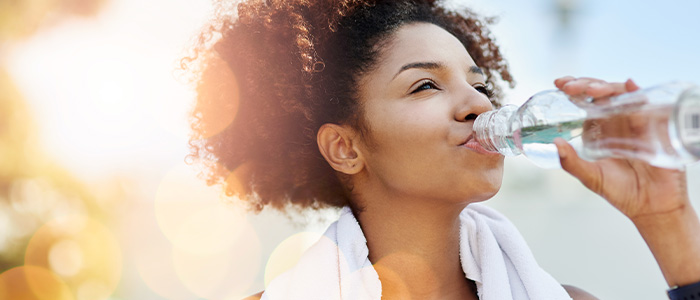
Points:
(492, 252)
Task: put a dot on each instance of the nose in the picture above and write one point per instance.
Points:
(471, 105)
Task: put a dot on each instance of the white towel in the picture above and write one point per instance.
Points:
(492, 252)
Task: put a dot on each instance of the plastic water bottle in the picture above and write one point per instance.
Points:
(660, 125)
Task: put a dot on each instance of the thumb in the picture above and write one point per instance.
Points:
(586, 172)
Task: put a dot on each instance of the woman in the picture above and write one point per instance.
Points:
(370, 105)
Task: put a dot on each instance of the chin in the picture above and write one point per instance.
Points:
(477, 191)
(489, 185)
(492, 192)
(480, 184)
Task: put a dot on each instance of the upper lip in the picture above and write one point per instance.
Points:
(470, 137)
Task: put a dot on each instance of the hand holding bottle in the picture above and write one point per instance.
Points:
(632, 186)
(655, 199)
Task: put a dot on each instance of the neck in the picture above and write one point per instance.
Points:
(414, 246)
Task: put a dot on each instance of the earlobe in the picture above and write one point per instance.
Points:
(336, 145)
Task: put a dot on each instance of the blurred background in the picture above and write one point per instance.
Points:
(96, 201)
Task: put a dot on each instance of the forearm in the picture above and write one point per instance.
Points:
(674, 240)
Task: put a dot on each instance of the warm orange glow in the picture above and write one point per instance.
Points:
(33, 283)
(398, 285)
(235, 181)
(223, 84)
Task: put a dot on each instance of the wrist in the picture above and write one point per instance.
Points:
(674, 239)
(666, 220)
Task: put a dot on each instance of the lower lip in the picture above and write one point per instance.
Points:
(474, 145)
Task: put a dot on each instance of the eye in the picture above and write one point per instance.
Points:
(425, 85)
(484, 90)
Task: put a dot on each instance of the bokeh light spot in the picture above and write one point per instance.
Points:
(388, 275)
(215, 250)
(78, 249)
(288, 253)
(222, 86)
(66, 258)
(155, 267)
(193, 216)
(235, 182)
(209, 231)
(397, 287)
(232, 270)
(93, 289)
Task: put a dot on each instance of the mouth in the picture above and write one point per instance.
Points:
(473, 145)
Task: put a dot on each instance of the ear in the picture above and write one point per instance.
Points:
(336, 145)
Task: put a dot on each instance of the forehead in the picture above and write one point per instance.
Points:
(423, 42)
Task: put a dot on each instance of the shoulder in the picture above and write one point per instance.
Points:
(577, 293)
(254, 297)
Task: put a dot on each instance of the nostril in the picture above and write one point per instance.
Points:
(470, 117)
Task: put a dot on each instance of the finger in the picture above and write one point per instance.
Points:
(561, 81)
(586, 172)
(599, 90)
(580, 85)
(631, 86)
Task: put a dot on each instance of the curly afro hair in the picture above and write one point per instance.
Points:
(271, 72)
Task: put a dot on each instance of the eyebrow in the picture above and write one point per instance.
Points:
(433, 66)
(475, 69)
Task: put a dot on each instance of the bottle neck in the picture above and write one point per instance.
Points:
(492, 130)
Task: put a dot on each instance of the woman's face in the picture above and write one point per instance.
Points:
(419, 104)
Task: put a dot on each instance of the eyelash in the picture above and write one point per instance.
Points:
(426, 82)
(484, 89)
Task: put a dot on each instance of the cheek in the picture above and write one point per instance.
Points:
(409, 152)
(401, 124)
(405, 169)
(408, 139)
(402, 140)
